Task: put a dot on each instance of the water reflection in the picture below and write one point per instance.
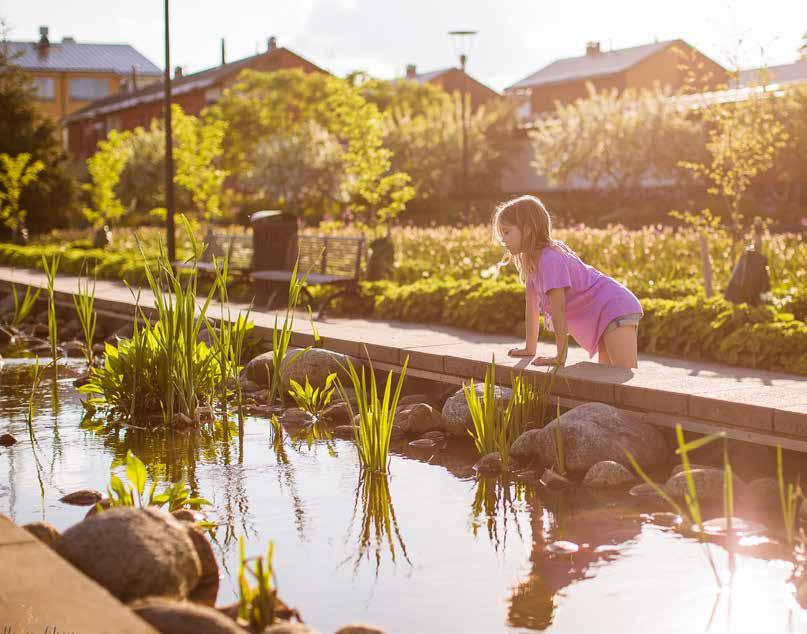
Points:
(495, 505)
(378, 528)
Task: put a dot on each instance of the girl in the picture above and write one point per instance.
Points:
(575, 298)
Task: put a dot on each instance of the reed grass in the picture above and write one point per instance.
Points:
(256, 604)
(491, 431)
(376, 414)
(282, 336)
(84, 303)
(789, 496)
(32, 406)
(22, 307)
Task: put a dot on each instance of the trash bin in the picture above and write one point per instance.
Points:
(749, 279)
(274, 240)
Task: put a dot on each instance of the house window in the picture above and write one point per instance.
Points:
(45, 88)
(86, 89)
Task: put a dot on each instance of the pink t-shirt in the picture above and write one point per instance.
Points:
(593, 300)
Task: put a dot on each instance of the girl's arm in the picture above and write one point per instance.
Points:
(557, 300)
(531, 328)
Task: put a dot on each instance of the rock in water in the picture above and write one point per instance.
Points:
(134, 553)
(183, 618)
(259, 369)
(608, 474)
(6, 440)
(456, 413)
(419, 419)
(708, 485)
(314, 363)
(84, 497)
(592, 433)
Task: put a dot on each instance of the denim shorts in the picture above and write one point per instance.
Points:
(631, 319)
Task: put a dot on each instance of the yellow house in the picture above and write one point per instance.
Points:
(69, 75)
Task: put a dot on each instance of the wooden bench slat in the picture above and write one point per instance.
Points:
(312, 278)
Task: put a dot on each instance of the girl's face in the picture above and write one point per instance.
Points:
(512, 238)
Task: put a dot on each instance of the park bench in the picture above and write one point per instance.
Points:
(236, 248)
(322, 260)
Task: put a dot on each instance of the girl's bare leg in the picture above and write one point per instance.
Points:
(621, 344)
(603, 353)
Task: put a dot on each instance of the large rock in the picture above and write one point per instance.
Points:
(134, 553)
(608, 474)
(595, 432)
(314, 363)
(43, 531)
(83, 497)
(260, 368)
(763, 493)
(208, 587)
(708, 485)
(171, 617)
(418, 419)
(456, 413)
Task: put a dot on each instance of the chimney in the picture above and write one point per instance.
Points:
(177, 72)
(44, 42)
(68, 40)
(223, 57)
(271, 44)
(134, 78)
(592, 48)
(411, 71)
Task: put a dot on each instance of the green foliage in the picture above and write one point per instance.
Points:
(313, 400)
(16, 173)
(104, 168)
(198, 147)
(22, 308)
(176, 496)
(491, 431)
(256, 605)
(84, 302)
(376, 414)
(615, 139)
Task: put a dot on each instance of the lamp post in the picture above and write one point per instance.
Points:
(462, 40)
(169, 148)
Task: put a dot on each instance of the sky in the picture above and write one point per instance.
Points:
(515, 37)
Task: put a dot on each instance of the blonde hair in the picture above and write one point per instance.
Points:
(531, 217)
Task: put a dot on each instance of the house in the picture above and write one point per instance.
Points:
(784, 75)
(451, 80)
(68, 75)
(128, 110)
(666, 63)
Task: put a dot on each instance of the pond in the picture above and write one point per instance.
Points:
(433, 548)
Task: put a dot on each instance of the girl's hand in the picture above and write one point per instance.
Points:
(520, 352)
(546, 361)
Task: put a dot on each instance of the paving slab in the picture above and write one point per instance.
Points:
(41, 592)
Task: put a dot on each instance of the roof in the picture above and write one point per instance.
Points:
(155, 91)
(423, 78)
(585, 66)
(784, 74)
(78, 56)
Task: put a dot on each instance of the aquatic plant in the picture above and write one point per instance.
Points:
(256, 605)
(789, 496)
(376, 414)
(50, 272)
(22, 307)
(495, 500)
(34, 401)
(491, 419)
(313, 400)
(282, 336)
(84, 301)
(176, 496)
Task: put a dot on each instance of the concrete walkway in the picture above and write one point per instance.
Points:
(748, 404)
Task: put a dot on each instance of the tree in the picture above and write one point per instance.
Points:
(52, 199)
(16, 173)
(274, 108)
(616, 140)
(104, 168)
(198, 147)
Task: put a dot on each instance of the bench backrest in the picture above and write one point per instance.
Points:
(331, 255)
(237, 247)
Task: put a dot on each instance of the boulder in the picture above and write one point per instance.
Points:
(43, 531)
(208, 587)
(6, 440)
(708, 484)
(134, 553)
(359, 628)
(592, 433)
(344, 431)
(763, 493)
(288, 628)
(247, 386)
(314, 363)
(608, 474)
(414, 399)
(74, 349)
(172, 617)
(489, 464)
(296, 416)
(337, 414)
(257, 371)
(418, 418)
(456, 413)
(436, 436)
(423, 443)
